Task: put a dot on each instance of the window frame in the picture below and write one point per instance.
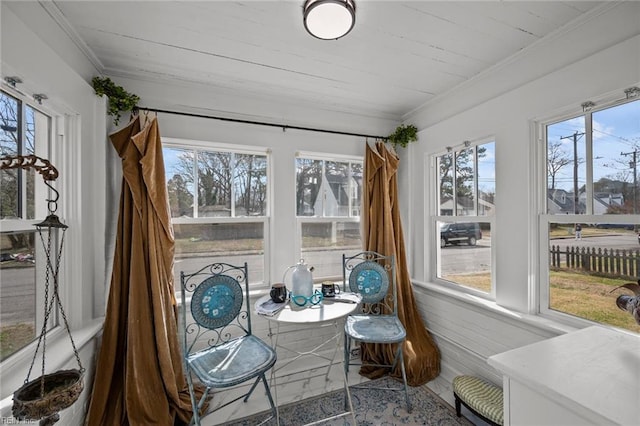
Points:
(188, 144)
(301, 220)
(540, 293)
(53, 151)
(432, 193)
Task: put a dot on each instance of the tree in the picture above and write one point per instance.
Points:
(223, 178)
(250, 180)
(465, 176)
(214, 181)
(557, 159)
(308, 182)
(9, 146)
(464, 171)
(15, 202)
(180, 198)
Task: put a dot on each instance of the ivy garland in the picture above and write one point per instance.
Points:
(403, 135)
(119, 99)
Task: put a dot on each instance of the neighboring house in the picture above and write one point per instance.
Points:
(562, 202)
(602, 201)
(466, 207)
(334, 189)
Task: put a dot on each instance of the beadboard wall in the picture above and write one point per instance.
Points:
(468, 335)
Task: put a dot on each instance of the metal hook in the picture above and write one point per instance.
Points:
(52, 201)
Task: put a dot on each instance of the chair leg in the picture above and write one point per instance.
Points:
(246, 398)
(347, 352)
(195, 418)
(404, 376)
(266, 387)
(347, 355)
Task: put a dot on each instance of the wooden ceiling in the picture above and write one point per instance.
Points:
(399, 56)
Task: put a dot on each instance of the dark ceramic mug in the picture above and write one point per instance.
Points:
(330, 289)
(278, 292)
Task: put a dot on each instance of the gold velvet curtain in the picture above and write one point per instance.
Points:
(139, 377)
(382, 230)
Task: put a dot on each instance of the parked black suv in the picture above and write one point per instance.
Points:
(455, 233)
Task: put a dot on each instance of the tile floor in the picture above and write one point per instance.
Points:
(297, 384)
(294, 384)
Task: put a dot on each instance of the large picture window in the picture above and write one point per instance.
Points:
(465, 210)
(219, 206)
(590, 241)
(24, 130)
(328, 198)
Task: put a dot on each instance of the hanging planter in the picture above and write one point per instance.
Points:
(119, 99)
(42, 398)
(403, 135)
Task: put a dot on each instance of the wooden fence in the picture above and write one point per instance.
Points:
(606, 262)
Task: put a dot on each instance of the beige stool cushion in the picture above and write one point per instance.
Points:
(482, 396)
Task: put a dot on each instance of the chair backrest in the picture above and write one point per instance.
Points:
(215, 306)
(373, 275)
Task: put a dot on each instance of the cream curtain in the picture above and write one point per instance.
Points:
(382, 230)
(139, 378)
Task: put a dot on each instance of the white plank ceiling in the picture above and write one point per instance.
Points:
(400, 55)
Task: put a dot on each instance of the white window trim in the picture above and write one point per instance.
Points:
(65, 155)
(431, 235)
(539, 284)
(300, 220)
(179, 143)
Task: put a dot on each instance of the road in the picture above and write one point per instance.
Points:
(464, 259)
(17, 301)
(614, 240)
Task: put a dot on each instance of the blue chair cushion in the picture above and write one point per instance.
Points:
(232, 363)
(375, 328)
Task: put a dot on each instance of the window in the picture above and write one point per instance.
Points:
(465, 210)
(24, 130)
(590, 242)
(328, 198)
(219, 206)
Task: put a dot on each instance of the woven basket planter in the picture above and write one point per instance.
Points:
(61, 389)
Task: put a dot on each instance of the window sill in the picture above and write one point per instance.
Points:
(59, 354)
(546, 325)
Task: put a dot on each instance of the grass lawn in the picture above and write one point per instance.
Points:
(15, 337)
(590, 297)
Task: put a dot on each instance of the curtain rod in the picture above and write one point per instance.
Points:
(259, 123)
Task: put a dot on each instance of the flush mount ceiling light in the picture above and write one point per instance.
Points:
(329, 19)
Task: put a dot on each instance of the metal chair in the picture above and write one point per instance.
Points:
(373, 275)
(219, 349)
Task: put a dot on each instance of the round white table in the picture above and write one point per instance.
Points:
(326, 313)
(327, 310)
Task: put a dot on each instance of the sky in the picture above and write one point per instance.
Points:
(616, 131)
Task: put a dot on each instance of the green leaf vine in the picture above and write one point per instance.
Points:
(119, 99)
(403, 135)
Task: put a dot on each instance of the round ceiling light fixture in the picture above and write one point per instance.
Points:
(329, 19)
